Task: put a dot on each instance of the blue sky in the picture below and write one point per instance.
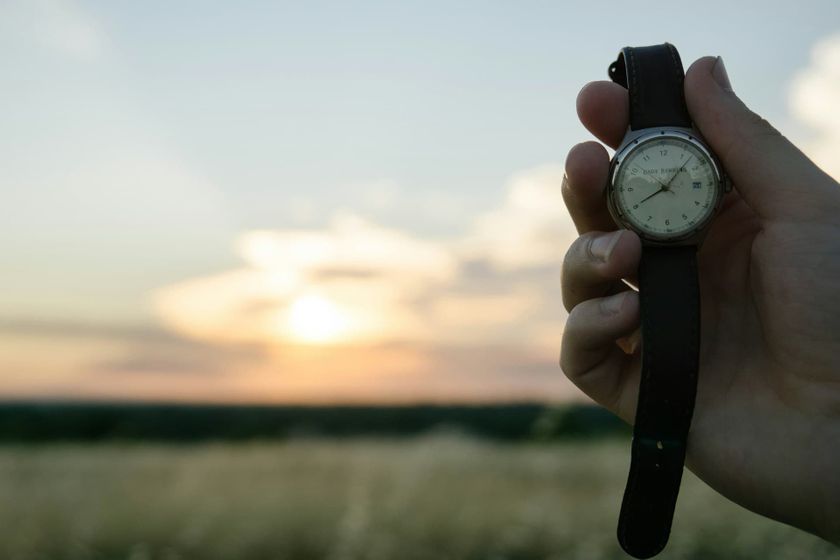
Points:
(141, 141)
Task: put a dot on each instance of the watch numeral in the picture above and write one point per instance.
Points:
(635, 206)
(667, 222)
(663, 152)
(650, 218)
(696, 203)
(684, 217)
(646, 158)
(630, 189)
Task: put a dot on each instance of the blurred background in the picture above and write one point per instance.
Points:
(281, 279)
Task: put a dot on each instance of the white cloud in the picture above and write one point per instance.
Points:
(351, 245)
(369, 274)
(104, 226)
(814, 96)
(58, 25)
(382, 284)
(529, 228)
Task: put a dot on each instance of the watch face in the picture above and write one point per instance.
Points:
(665, 187)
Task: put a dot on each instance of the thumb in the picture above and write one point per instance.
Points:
(774, 178)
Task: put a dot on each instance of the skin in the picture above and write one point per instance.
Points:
(766, 427)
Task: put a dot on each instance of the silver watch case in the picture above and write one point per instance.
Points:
(634, 138)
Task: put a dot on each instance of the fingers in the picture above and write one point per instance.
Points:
(595, 264)
(603, 312)
(587, 167)
(771, 174)
(603, 108)
(592, 360)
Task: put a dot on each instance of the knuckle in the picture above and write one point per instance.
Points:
(573, 273)
(582, 262)
(759, 126)
(580, 250)
(567, 367)
(579, 315)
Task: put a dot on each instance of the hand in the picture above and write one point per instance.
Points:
(766, 428)
(674, 176)
(661, 190)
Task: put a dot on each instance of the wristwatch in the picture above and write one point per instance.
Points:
(666, 185)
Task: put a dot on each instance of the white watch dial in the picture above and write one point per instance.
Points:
(665, 187)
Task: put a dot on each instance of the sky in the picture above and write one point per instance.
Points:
(326, 201)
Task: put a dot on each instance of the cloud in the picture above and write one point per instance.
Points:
(461, 319)
(496, 282)
(141, 348)
(82, 360)
(60, 26)
(79, 330)
(814, 96)
(527, 230)
(368, 273)
(160, 215)
(101, 360)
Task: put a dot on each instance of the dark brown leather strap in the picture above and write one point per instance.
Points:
(670, 309)
(654, 78)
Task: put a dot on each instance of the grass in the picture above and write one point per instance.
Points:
(439, 497)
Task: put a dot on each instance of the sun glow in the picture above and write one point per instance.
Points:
(316, 319)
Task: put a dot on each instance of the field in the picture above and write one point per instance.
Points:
(436, 497)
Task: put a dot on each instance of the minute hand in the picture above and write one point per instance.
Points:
(674, 176)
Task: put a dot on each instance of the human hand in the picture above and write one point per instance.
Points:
(766, 427)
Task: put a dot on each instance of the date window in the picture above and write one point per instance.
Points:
(695, 185)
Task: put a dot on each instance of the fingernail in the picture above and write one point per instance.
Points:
(720, 76)
(603, 245)
(613, 304)
(629, 344)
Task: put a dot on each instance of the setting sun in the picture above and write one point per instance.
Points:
(316, 319)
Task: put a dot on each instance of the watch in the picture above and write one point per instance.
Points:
(665, 184)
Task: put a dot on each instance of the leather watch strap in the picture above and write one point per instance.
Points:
(654, 78)
(670, 311)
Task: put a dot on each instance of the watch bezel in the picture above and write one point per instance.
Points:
(633, 140)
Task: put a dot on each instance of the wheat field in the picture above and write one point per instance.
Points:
(431, 498)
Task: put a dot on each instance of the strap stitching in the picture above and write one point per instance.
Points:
(679, 74)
